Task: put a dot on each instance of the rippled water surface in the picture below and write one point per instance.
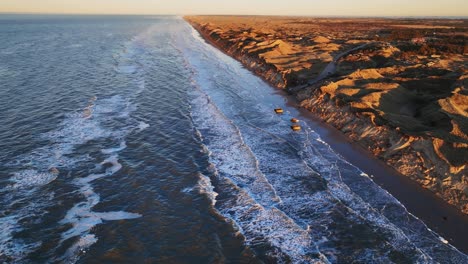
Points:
(129, 139)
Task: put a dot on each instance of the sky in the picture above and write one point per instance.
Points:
(244, 7)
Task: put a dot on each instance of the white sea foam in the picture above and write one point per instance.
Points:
(44, 164)
(365, 175)
(109, 118)
(76, 250)
(445, 241)
(321, 141)
(83, 219)
(31, 178)
(9, 247)
(231, 155)
(204, 186)
(118, 215)
(73, 131)
(289, 162)
(76, 129)
(142, 126)
(16, 248)
(121, 147)
(253, 206)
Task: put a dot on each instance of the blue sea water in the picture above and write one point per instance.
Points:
(129, 139)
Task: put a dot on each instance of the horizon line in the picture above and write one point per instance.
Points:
(270, 15)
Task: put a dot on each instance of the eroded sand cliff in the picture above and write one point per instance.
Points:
(397, 87)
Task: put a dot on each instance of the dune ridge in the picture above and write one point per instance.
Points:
(402, 95)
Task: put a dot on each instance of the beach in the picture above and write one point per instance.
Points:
(402, 100)
(130, 139)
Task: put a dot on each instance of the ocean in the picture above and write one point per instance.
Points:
(129, 139)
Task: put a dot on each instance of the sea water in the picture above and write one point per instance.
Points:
(130, 139)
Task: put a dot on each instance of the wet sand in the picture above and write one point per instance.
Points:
(441, 217)
(388, 69)
(444, 219)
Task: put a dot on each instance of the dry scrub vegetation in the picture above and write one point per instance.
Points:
(402, 93)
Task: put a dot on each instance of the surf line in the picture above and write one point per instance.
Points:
(81, 216)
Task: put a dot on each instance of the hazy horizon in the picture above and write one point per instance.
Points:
(202, 14)
(362, 8)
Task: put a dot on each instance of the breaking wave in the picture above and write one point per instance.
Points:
(290, 191)
(59, 158)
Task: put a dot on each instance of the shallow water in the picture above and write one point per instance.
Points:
(130, 139)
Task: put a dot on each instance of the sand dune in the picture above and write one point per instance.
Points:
(402, 95)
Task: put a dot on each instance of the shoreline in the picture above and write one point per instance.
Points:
(432, 162)
(443, 218)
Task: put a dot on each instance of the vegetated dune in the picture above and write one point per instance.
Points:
(414, 116)
(403, 95)
(418, 111)
(271, 49)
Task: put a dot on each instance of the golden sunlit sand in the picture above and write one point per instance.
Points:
(396, 86)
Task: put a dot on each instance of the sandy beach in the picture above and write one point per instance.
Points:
(391, 87)
(353, 134)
